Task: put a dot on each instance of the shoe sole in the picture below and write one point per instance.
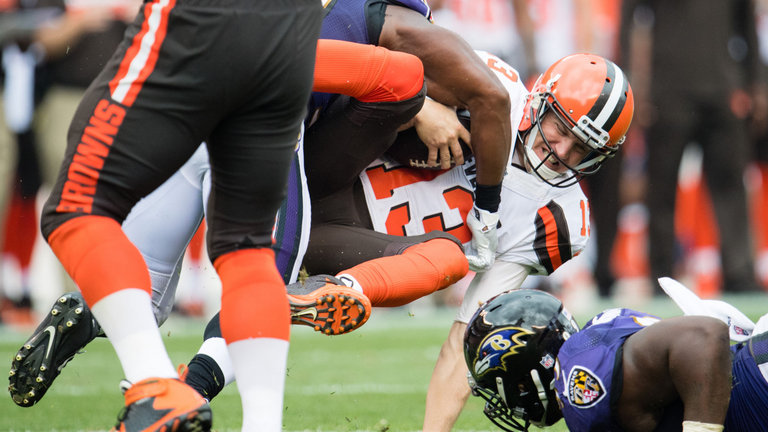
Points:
(198, 420)
(194, 421)
(331, 310)
(32, 369)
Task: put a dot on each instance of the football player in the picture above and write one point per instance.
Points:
(624, 371)
(185, 72)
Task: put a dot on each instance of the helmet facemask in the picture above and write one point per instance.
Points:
(591, 136)
(532, 405)
(510, 346)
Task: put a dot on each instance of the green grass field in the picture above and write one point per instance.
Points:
(374, 379)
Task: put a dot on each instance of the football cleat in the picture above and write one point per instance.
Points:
(163, 405)
(63, 333)
(324, 303)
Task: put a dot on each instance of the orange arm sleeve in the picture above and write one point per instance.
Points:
(366, 72)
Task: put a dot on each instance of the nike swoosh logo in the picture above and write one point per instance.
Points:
(310, 311)
(51, 334)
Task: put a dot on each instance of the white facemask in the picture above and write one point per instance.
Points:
(543, 170)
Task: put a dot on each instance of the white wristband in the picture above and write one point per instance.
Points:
(694, 426)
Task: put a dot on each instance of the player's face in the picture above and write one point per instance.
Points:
(563, 143)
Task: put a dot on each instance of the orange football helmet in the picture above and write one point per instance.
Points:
(592, 97)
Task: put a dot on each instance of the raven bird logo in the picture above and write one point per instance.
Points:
(497, 346)
(585, 389)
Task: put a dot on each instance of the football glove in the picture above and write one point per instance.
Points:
(483, 225)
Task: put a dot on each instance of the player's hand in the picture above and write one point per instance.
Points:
(483, 225)
(440, 129)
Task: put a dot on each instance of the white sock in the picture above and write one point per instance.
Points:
(127, 319)
(350, 281)
(260, 366)
(216, 348)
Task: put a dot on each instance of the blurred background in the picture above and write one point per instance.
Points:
(686, 197)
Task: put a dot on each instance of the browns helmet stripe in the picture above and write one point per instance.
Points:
(609, 106)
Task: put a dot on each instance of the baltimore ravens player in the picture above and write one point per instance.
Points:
(624, 371)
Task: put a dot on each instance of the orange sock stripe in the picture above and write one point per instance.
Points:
(253, 300)
(366, 72)
(99, 257)
(421, 270)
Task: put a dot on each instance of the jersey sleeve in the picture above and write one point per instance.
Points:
(366, 72)
(542, 227)
(588, 368)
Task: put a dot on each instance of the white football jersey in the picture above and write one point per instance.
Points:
(541, 226)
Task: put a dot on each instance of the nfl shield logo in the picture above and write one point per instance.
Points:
(547, 361)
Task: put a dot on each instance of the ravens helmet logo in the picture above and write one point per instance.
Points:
(497, 346)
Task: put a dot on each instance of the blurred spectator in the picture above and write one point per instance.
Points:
(52, 49)
(501, 27)
(24, 85)
(703, 73)
(563, 27)
(759, 130)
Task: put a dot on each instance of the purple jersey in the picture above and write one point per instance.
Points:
(748, 409)
(357, 21)
(361, 20)
(586, 369)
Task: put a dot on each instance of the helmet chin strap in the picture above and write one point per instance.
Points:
(535, 163)
(542, 393)
(500, 389)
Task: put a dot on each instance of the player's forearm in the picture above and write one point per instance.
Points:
(457, 76)
(488, 103)
(448, 389)
(491, 141)
(700, 368)
(681, 359)
(467, 82)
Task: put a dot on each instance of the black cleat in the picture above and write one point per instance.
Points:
(67, 329)
(327, 305)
